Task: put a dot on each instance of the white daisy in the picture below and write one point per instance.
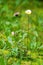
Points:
(28, 11)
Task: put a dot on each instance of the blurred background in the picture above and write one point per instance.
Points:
(21, 33)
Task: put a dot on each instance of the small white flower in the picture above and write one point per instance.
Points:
(12, 33)
(16, 14)
(28, 11)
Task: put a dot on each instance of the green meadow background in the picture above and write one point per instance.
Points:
(25, 46)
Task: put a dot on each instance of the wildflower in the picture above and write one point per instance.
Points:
(28, 11)
(16, 14)
(12, 33)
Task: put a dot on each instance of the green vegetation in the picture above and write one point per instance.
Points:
(21, 36)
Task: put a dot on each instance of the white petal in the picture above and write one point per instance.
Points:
(28, 11)
(17, 13)
(12, 33)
